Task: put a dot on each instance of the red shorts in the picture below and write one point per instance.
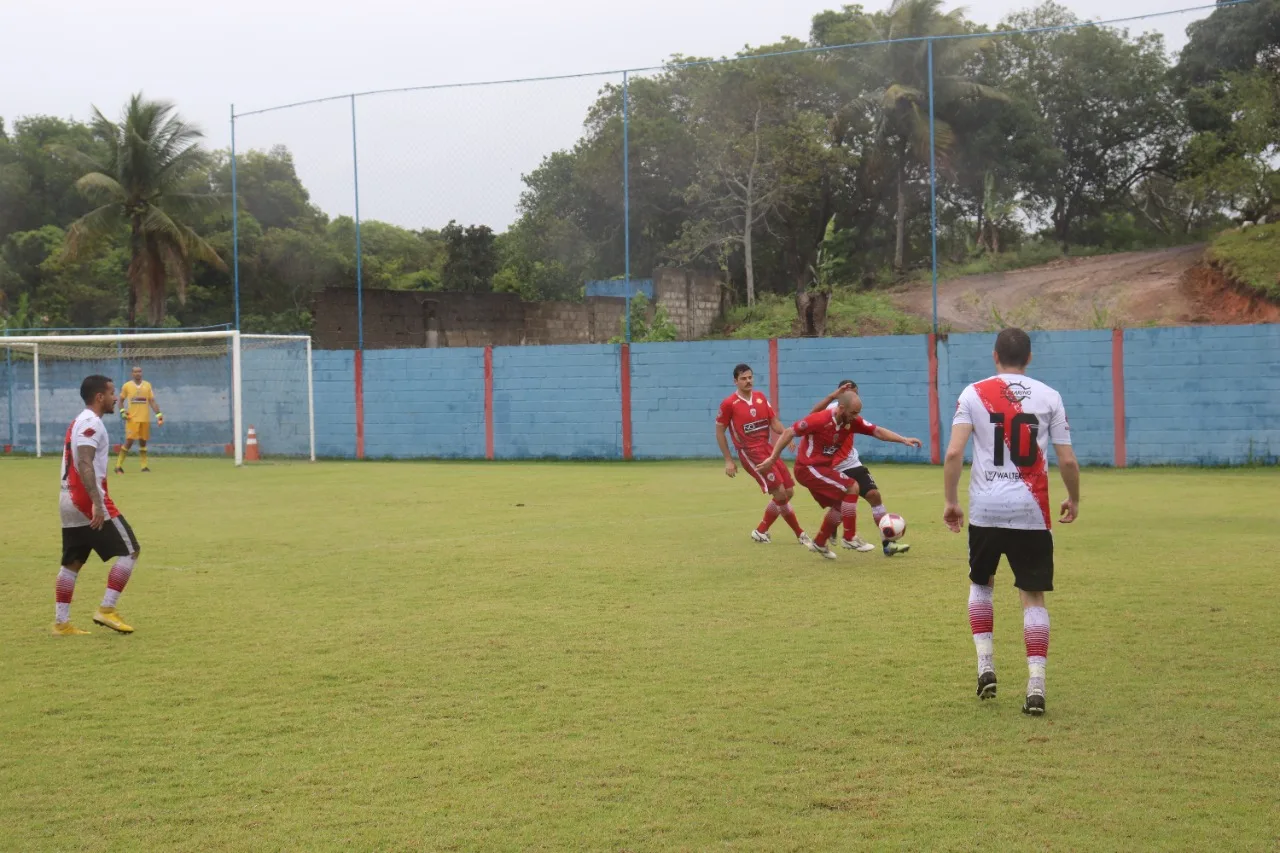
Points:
(827, 485)
(778, 475)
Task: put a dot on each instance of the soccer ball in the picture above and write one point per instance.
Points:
(892, 527)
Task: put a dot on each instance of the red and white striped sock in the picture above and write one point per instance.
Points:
(771, 513)
(981, 619)
(830, 524)
(63, 590)
(116, 580)
(1035, 633)
(849, 513)
(789, 516)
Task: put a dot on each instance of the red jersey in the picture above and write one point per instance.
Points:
(823, 439)
(748, 422)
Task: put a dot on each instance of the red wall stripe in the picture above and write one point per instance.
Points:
(935, 416)
(1117, 395)
(626, 401)
(359, 371)
(488, 402)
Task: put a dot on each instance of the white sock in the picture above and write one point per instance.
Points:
(980, 623)
(64, 589)
(1035, 632)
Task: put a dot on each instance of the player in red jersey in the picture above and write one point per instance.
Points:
(821, 438)
(90, 520)
(848, 462)
(746, 413)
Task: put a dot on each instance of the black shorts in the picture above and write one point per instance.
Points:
(1030, 555)
(862, 477)
(114, 539)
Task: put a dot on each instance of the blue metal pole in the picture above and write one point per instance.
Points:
(355, 171)
(933, 190)
(8, 359)
(626, 194)
(235, 218)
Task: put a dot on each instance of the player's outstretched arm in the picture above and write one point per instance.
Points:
(781, 444)
(1069, 467)
(730, 467)
(952, 466)
(829, 399)
(893, 438)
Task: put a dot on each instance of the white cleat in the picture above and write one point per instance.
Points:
(762, 538)
(805, 540)
(857, 543)
(821, 550)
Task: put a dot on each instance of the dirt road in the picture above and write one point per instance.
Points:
(1129, 289)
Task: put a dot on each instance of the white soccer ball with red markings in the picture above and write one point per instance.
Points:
(892, 527)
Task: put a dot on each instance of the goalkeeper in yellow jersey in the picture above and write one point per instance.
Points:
(137, 402)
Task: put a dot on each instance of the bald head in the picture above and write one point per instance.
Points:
(848, 405)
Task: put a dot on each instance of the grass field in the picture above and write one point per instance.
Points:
(370, 656)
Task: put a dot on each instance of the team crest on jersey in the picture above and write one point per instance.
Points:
(1016, 392)
(753, 413)
(772, 476)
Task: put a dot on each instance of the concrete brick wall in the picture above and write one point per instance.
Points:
(676, 391)
(557, 402)
(333, 376)
(1076, 364)
(593, 321)
(1206, 395)
(892, 376)
(274, 395)
(692, 300)
(424, 403)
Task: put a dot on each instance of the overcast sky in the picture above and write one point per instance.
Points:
(424, 157)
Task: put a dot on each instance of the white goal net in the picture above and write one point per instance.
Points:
(211, 387)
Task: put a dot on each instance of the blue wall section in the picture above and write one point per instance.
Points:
(1203, 395)
(893, 379)
(557, 401)
(1076, 364)
(424, 402)
(274, 395)
(676, 391)
(333, 373)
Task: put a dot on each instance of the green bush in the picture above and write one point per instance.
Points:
(1250, 257)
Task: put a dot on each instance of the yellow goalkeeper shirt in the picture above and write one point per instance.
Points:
(138, 398)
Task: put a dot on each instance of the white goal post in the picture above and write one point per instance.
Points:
(210, 386)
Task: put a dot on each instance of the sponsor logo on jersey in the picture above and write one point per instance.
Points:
(1016, 392)
(756, 426)
(992, 476)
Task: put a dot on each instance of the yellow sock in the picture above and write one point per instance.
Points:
(120, 458)
(142, 454)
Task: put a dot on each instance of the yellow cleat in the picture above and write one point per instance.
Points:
(66, 629)
(109, 617)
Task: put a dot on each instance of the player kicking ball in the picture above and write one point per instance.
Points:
(1013, 419)
(90, 521)
(747, 414)
(821, 437)
(848, 462)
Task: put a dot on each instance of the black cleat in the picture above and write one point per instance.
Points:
(987, 685)
(119, 470)
(1034, 706)
(146, 470)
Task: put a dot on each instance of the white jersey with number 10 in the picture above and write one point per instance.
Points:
(1015, 419)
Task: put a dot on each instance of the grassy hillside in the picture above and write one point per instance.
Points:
(1251, 258)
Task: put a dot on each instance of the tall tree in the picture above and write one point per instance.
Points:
(142, 183)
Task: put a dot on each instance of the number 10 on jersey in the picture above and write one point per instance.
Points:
(1023, 455)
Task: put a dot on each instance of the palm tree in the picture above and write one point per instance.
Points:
(142, 183)
(901, 99)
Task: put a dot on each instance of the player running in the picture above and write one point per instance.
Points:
(90, 521)
(1013, 419)
(137, 402)
(821, 437)
(747, 413)
(847, 462)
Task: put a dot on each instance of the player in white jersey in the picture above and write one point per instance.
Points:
(1013, 419)
(90, 520)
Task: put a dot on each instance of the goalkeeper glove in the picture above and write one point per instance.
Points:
(159, 418)
(124, 414)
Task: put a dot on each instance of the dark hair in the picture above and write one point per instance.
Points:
(1013, 348)
(853, 386)
(92, 386)
(741, 369)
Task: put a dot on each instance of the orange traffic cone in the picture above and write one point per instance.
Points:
(251, 446)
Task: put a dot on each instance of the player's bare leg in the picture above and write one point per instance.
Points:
(981, 621)
(1035, 633)
(142, 453)
(107, 616)
(64, 590)
(124, 452)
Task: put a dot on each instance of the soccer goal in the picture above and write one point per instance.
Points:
(211, 386)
